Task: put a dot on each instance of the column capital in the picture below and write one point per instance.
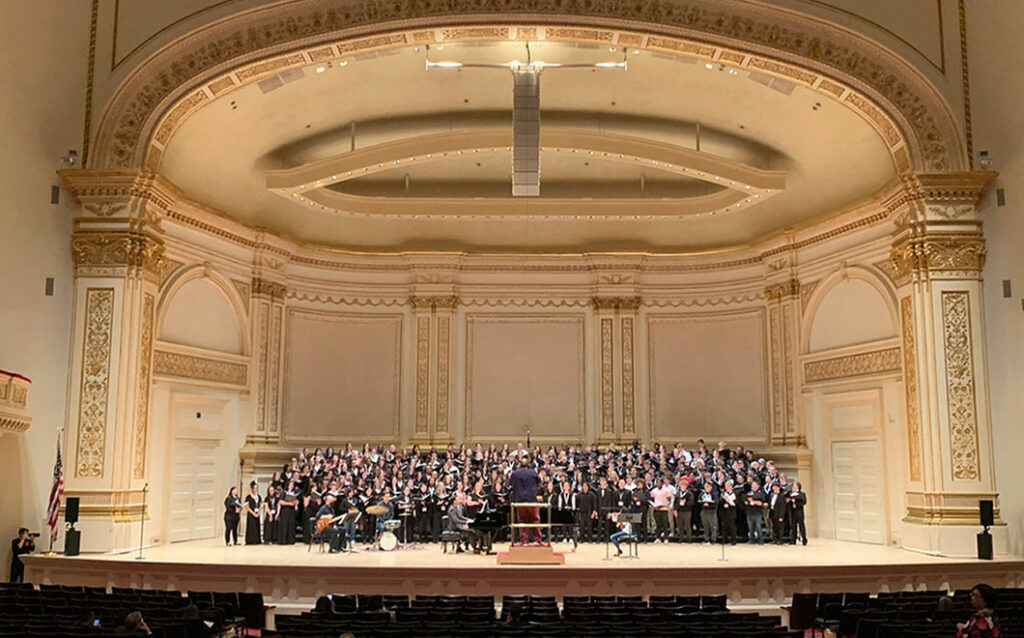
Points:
(261, 287)
(782, 290)
(434, 302)
(926, 253)
(616, 303)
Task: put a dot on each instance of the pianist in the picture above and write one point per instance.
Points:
(459, 522)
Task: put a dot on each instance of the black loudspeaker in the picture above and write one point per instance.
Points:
(984, 546)
(987, 514)
(73, 541)
(71, 510)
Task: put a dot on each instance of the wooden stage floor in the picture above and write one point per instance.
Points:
(752, 576)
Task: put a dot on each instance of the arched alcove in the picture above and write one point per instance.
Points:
(198, 313)
(853, 310)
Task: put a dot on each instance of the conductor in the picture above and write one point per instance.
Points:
(524, 490)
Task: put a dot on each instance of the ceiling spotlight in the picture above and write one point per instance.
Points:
(343, 63)
(708, 66)
(733, 72)
(321, 69)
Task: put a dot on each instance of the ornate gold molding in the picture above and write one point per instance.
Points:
(949, 194)
(938, 255)
(948, 508)
(274, 373)
(188, 366)
(434, 302)
(103, 253)
(13, 399)
(960, 392)
(628, 412)
(617, 303)
(266, 288)
(123, 506)
(422, 374)
(607, 397)
(910, 387)
(262, 354)
(855, 365)
(782, 290)
(142, 392)
(443, 370)
(815, 54)
(95, 382)
(777, 375)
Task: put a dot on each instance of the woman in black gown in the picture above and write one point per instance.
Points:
(286, 521)
(252, 515)
(232, 506)
(270, 505)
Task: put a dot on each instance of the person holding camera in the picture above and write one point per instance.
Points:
(19, 547)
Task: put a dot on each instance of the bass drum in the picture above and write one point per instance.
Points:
(387, 542)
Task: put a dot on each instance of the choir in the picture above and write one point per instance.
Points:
(737, 496)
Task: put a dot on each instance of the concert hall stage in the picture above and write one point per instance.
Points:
(753, 576)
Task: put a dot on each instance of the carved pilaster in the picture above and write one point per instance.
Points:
(783, 327)
(616, 316)
(936, 260)
(433, 324)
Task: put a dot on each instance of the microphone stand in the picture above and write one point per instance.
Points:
(142, 520)
(607, 536)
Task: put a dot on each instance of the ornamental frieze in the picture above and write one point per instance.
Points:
(176, 364)
(267, 288)
(783, 290)
(617, 303)
(938, 253)
(855, 365)
(117, 250)
(434, 302)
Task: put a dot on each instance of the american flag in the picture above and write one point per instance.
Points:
(56, 493)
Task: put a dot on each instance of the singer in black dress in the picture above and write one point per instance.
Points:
(270, 521)
(232, 506)
(252, 515)
(286, 521)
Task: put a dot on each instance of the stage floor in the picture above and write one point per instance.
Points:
(752, 575)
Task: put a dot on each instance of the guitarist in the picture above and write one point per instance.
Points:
(325, 516)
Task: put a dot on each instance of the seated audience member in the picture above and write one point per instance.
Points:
(625, 529)
(134, 625)
(983, 623)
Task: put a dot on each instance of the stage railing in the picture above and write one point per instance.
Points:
(514, 525)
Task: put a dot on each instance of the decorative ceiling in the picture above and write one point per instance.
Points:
(377, 151)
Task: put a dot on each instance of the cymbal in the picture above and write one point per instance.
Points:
(376, 510)
(353, 510)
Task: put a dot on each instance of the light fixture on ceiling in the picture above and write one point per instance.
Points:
(709, 66)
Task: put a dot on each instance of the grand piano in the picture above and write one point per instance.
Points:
(491, 522)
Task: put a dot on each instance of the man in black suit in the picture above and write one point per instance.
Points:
(777, 510)
(607, 501)
(683, 507)
(796, 500)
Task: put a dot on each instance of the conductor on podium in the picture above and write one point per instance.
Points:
(524, 490)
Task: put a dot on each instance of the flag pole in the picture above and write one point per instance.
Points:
(53, 528)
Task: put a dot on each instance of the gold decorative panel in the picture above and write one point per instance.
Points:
(142, 397)
(788, 348)
(261, 362)
(963, 412)
(910, 386)
(187, 366)
(95, 382)
(778, 407)
(628, 412)
(443, 371)
(607, 399)
(274, 373)
(855, 365)
(422, 373)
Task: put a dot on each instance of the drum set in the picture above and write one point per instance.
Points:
(388, 539)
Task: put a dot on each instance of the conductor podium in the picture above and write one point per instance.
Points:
(540, 553)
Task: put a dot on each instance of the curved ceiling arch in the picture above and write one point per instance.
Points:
(742, 186)
(910, 114)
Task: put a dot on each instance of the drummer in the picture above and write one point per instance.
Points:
(385, 515)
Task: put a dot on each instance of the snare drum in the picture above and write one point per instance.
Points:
(392, 525)
(387, 542)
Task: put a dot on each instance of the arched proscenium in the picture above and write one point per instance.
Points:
(909, 113)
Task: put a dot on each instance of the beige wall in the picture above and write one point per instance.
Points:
(996, 56)
(41, 105)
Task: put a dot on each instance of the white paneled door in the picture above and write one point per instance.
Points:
(859, 500)
(193, 489)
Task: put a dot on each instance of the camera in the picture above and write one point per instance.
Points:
(33, 534)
